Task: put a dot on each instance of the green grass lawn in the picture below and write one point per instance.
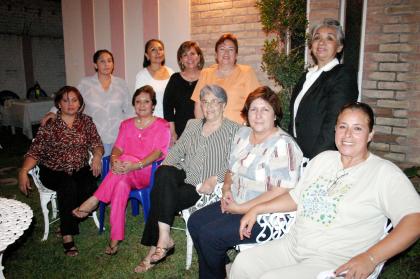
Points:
(29, 257)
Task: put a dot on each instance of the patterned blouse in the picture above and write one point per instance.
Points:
(202, 157)
(257, 168)
(61, 148)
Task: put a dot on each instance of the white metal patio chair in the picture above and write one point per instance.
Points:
(46, 196)
(329, 274)
(274, 226)
(186, 213)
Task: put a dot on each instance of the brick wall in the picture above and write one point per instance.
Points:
(41, 20)
(391, 80)
(211, 18)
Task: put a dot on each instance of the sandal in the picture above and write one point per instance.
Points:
(161, 254)
(111, 251)
(143, 266)
(70, 249)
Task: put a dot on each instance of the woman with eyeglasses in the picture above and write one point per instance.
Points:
(264, 163)
(154, 72)
(178, 107)
(200, 156)
(238, 80)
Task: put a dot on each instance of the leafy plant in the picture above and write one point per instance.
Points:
(284, 21)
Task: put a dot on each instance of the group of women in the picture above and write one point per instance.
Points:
(342, 200)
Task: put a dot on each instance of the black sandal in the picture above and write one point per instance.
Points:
(70, 249)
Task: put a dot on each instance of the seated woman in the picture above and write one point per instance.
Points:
(141, 141)
(343, 201)
(199, 156)
(264, 163)
(60, 148)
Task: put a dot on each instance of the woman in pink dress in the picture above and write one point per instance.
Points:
(141, 141)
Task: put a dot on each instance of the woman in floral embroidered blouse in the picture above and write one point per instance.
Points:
(264, 163)
(342, 203)
(61, 150)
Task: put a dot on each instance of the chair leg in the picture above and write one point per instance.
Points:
(102, 207)
(1, 265)
(45, 212)
(95, 219)
(135, 207)
(54, 206)
(189, 250)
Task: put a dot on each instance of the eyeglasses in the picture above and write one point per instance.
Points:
(211, 103)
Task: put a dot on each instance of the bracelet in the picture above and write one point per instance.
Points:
(371, 258)
(113, 155)
(141, 164)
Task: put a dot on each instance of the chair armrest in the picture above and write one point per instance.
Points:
(274, 225)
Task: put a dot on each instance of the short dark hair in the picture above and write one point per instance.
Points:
(185, 47)
(226, 37)
(223, 38)
(268, 95)
(145, 89)
(66, 90)
(146, 62)
(363, 107)
(98, 54)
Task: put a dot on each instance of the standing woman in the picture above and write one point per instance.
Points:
(106, 97)
(178, 107)
(322, 91)
(238, 80)
(154, 72)
(60, 148)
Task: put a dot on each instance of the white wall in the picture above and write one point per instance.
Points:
(134, 44)
(73, 41)
(174, 27)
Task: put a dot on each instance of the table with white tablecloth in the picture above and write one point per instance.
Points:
(15, 218)
(24, 113)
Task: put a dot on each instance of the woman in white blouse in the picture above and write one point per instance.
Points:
(322, 91)
(154, 72)
(106, 97)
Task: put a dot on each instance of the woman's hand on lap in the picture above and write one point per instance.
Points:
(207, 187)
(226, 200)
(246, 224)
(358, 267)
(96, 165)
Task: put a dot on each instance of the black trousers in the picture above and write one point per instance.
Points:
(170, 195)
(72, 190)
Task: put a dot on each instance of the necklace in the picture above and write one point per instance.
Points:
(339, 175)
(145, 124)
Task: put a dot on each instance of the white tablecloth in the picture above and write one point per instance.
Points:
(15, 218)
(24, 113)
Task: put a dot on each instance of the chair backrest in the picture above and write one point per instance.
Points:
(37, 181)
(6, 95)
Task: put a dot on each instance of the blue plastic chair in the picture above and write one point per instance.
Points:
(137, 196)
